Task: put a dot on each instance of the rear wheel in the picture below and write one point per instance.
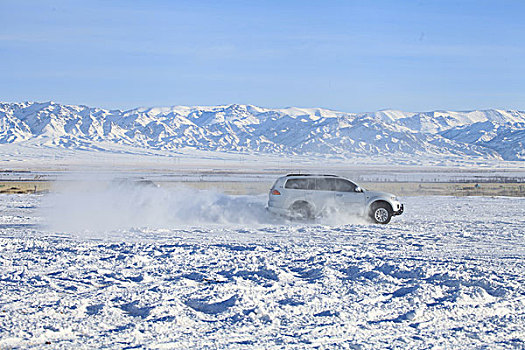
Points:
(381, 213)
(301, 211)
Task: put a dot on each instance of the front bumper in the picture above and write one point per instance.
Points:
(400, 211)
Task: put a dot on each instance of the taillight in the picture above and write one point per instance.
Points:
(276, 193)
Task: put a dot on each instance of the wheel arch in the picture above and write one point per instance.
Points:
(379, 201)
(302, 202)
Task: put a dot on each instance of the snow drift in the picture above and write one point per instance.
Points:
(99, 206)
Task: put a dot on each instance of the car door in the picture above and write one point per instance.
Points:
(347, 197)
(324, 194)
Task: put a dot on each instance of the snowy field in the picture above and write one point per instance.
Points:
(183, 269)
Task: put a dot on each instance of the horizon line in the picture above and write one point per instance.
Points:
(264, 107)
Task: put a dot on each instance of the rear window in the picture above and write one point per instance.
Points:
(300, 184)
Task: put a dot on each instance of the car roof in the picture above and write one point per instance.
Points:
(317, 175)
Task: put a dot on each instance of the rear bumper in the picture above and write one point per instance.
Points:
(400, 211)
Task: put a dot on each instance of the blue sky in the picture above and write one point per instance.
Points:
(352, 56)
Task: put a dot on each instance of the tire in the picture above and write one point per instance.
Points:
(381, 213)
(301, 211)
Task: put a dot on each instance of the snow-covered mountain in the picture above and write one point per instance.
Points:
(488, 134)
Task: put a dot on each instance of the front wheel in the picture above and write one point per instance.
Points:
(381, 213)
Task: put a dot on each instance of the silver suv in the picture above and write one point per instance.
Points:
(307, 196)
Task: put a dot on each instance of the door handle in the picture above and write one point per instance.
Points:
(339, 194)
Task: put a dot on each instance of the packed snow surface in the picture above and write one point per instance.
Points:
(182, 269)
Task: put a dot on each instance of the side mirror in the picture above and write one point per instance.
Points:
(358, 189)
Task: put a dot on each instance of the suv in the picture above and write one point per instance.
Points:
(307, 196)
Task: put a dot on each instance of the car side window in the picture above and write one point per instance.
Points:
(344, 186)
(331, 184)
(324, 184)
(300, 184)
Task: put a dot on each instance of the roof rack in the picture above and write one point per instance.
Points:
(330, 175)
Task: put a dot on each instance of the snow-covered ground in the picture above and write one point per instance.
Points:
(184, 269)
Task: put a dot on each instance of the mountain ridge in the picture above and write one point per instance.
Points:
(488, 134)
